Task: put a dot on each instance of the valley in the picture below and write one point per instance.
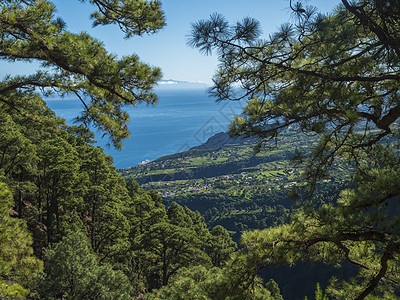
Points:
(232, 186)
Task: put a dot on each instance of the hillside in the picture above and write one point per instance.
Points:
(309, 211)
(232, 187)
(228, 183)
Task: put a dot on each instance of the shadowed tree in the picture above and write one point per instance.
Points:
(220, 245)
(17, 263)
(236, 280)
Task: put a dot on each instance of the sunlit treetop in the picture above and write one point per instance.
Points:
(79, 64)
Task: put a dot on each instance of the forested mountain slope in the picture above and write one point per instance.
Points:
(71, 227)
(90, 227)
(231, 186)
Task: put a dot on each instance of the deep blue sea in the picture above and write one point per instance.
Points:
(182, 119)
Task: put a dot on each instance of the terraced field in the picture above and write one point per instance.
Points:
(230, 185)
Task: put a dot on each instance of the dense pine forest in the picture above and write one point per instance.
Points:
(301, 200)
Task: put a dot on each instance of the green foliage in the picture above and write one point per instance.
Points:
(302, 75)
(65, 183)
(335, 233)
(220, 245)
(237, 279)
(72, 182)
(58, 179)
(211, 283)
(174, 241)
(17, 263)
(77, 63)
(100, 237)
(273, 288)
(72, 271)
(335, 76)
(170, 248)
(133, 17)
(319, 294)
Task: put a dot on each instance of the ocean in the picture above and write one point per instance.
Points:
(181, 120)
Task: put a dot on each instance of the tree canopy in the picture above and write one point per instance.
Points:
(326, 73)
(335, 75)
(78, 64)
(17, 262)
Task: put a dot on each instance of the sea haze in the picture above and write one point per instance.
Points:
(183, 118)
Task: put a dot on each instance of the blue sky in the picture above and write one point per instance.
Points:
(167, 49)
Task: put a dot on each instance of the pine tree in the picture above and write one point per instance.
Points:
(78, 64)
(72, 271)
(336, 76)
(17, 263)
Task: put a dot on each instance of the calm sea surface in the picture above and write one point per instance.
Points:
(181, 120)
